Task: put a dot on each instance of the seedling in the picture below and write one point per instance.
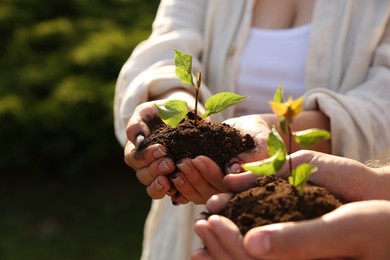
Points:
(174, 111)
(286, 111)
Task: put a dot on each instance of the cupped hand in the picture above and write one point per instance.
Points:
(197, 180)
(358, 230)
(152, 164)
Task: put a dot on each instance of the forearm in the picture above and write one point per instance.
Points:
(306, 120)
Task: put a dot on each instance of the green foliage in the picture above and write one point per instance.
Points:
(221, 101)
(276, 147)
(60, 60)
(310, 136)
(183, 62)
(174, 111)
(276, 150)
(300, 175)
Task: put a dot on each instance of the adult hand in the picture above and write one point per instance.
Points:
(152, 165)
(334, 173)
(358, 230)
(201, 177)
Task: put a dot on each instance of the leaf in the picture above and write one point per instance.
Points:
(267, 166)
(173, 112)
(183, 70)
(275, 142)
(300, 175)
(221, 101)
(278, 96)
(310, 136)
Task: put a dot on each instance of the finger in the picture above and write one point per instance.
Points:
(218, 202)
(158, 188)
(204, 231)
(333, 172)
(157, 168)
(229, 236)
(201, 254)
(240, 182)
(140, 159)
(137, 125)
(186, 189)
(210, 171)
(196, 185)
(333, 235)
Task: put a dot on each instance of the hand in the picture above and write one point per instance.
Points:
(201, 177)
(152, 165)
(198, 180)
(358, 230)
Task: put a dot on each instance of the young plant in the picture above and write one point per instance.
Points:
(286, 111)
(174, 111)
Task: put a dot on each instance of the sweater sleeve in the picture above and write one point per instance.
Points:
(150, 70)
(360, 117)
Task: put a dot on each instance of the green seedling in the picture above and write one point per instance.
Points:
(286, 111)
(174, 111)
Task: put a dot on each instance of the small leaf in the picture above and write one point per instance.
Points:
(275, 142)
(300, 175)
(310, 136)
(221, 101)
(278, 96)
(173, 112)
(267, 166)
(183, 70)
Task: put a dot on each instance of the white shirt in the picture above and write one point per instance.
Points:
(271, 58)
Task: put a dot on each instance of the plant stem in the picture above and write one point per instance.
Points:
(289, 148)
(197, 87)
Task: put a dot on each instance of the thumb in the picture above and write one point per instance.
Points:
(326, 237)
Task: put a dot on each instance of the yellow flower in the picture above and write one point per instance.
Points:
(287, 109)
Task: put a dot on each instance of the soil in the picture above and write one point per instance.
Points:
(274, 200)
(218, 141)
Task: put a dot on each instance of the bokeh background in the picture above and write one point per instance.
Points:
(65, 192)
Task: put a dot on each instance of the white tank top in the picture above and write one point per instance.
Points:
(271, 57)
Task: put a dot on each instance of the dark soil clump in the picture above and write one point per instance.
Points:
(218, 141)
(274, 200)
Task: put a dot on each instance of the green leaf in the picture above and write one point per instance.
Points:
(275, 142)
(267, 166)
(173, 112)
(183, 70)
(310, 136)
(221, 101)
(278, 96)
(300, 175)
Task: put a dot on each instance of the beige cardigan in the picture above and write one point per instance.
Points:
(347, 77)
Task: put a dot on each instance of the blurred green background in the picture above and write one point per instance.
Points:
(65, 192)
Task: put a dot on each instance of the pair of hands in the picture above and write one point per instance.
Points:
(199, 178)
(360, 229)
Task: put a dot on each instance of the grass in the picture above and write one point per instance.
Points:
(96, 217)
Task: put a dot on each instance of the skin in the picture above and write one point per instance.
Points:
(347, 232)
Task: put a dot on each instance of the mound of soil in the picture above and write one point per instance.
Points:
(217, 141)
(274, 200)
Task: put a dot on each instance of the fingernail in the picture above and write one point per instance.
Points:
(234, 168)
(157, 185)
(179, 181)
(138, 140)
(158, 153)
(163, 166)
(260, 245)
